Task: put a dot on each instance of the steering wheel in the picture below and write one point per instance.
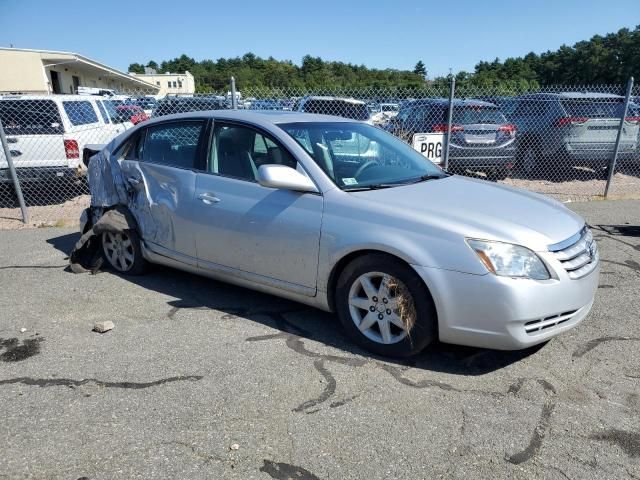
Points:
(364, 166)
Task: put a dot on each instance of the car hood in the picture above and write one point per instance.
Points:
(478, 209)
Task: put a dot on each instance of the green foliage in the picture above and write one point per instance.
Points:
(136, 68)
(611, 59)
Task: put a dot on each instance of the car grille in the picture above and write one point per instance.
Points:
(578, 254)
(536, 326)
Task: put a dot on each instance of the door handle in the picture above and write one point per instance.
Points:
(134, 181)
(208, 198)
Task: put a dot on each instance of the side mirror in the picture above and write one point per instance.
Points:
(286, 178)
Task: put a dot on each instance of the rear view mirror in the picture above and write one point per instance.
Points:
(286, 178)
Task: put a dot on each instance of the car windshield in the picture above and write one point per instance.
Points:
(358, 156)
(473, 114)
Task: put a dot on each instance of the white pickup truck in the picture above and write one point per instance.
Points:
(47, 133)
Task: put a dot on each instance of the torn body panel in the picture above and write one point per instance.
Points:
(160, 197)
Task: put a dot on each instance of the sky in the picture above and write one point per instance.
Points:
(376, 33)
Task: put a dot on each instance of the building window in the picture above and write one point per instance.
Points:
(158, 83)
(175, 85)
(169, 84)
(179, 83)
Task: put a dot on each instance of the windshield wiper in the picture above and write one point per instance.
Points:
(373, 186)
(378, 186)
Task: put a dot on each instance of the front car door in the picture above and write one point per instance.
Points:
(159, 165)
(266, 235)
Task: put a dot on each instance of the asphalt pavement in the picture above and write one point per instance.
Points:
(200, 379)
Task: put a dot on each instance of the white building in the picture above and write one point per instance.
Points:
(46, 71)
(169, 83)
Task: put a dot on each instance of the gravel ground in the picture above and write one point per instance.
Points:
(200, 379)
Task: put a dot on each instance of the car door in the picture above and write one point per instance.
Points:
(267, 235)
(159, 166)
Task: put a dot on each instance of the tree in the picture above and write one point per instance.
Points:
(136, 68)
(420, 69)
(153, 64)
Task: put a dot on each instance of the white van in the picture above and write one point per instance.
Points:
(46, 133)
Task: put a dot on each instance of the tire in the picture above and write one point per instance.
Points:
(123, 253)
(373, 322)
(529, 160)
(498, 173)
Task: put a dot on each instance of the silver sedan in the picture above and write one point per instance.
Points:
(341, 215)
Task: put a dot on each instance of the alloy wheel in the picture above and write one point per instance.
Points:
(377, 304)
(118, 249)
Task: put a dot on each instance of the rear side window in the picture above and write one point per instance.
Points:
(30, 117)
(174, 144)
(80, 113)
(594, 108)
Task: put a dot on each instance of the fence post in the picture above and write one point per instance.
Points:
(14, 176)
(612, 166)
(445, 160)
(234, 100)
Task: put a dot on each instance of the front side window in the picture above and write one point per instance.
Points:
(174, 144)
(358, 156)
(80, 113)
(238, 151)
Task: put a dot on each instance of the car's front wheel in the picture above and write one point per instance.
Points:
(385, 307)
(123, 252)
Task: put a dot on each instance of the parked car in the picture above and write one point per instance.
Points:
(266, 104)
(146, 103)
(341, 107)
(343, 216)
(385, 112)
(482, 139)
(131, 113)
(169, 105)
(572, 128)
(46, 133)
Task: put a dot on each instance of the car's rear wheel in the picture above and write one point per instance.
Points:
(385, 307)
(529, 160)
(123, 253)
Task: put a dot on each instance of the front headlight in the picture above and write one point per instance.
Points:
(508, 260)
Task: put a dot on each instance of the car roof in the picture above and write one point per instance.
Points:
(570, 95)
(355, 101)
(18, 96)
(254, 116)
(443, 102)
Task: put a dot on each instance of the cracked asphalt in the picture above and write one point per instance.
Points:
(194, 367)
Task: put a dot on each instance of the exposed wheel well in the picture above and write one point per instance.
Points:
(340, 266)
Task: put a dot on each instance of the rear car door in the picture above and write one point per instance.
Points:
(267, 235)
(159, 166)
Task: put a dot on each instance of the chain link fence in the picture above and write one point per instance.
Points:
(570, 142)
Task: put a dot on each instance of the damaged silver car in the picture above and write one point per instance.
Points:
(343, 216)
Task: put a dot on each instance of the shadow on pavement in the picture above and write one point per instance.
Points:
(291, 318)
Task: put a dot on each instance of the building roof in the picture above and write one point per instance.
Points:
(50, 57)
